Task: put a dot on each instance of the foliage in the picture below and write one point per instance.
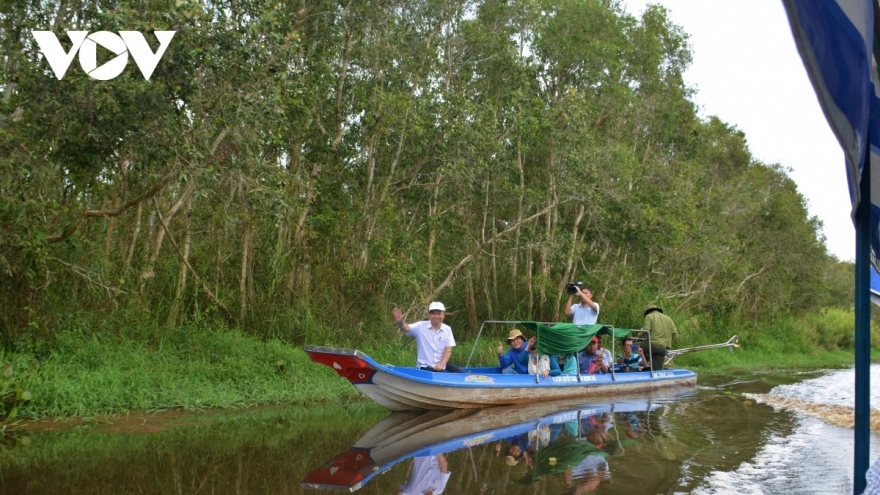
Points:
(12, 395)
(293, 170)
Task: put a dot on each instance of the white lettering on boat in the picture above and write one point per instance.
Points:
(571, 416)
(569, 379)
(663, 374)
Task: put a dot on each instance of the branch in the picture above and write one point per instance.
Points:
(741, 284)
(223, 309)
(86, 274)
(148, 194)
(467, 259)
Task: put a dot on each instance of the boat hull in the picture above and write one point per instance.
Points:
(409, 389)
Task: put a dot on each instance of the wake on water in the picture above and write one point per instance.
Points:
(817, 456)
(843, 416)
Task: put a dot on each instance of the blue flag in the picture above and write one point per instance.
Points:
(835, 41)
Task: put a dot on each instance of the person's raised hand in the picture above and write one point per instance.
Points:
(397, 313)
(500, 349)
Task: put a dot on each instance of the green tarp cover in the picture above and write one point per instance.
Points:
(558, 458)
(563, 338)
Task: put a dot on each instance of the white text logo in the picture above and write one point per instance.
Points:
(86, 44)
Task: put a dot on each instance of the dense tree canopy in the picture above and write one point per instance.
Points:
(319, 161)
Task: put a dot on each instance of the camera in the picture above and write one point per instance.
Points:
(572, 287)
(634, 347)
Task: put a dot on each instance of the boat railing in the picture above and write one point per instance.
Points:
(647, 336)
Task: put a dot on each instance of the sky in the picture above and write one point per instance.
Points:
(747, 72)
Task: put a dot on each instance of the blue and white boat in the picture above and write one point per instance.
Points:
(402, 388)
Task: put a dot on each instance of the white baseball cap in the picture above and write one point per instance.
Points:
(436, 305)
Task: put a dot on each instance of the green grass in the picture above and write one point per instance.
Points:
(87, 373)
(189, 369)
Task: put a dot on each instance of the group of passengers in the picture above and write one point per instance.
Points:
(522, 356)
(434, 343)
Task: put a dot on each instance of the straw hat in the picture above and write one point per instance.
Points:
(514, 334)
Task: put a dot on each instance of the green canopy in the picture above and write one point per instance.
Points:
(564, 338)
(557, 458)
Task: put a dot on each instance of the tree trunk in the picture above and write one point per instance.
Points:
(160, 234)
(432, 233)
(134, 238)
(182, 273)
(471, 301)
(245, 272)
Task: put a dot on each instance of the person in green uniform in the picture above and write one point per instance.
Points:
(663, 332)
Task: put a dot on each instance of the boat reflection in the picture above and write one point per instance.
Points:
(569, 440)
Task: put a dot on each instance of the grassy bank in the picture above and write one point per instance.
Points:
(194, 367)
(190, 368)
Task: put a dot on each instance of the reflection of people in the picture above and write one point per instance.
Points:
(663, 332)
(518, 447)
(632, 424)
(587, 475)
(429, 476)
(516, 359)
(586, 311)
(434, 340)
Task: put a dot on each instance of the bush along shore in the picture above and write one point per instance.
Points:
(195, 367)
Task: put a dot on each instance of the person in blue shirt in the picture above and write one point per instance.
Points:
(516, 359)
(591, 360)
(633, 357)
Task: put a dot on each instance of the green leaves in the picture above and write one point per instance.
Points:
(12, 396)
(344, 154)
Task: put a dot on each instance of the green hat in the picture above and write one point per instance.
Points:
(651, 308)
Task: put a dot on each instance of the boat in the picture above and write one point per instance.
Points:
(402, 388)
(405, 435)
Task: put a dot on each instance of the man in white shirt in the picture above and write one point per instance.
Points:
(434, 340)
(429, 477)
(585, 312)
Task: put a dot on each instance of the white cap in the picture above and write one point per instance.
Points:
(435, 306)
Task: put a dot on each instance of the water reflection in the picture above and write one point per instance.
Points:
(562, 445)
(728, 436)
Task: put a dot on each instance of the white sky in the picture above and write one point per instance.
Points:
(747, 71)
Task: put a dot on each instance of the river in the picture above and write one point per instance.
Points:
(755, 433)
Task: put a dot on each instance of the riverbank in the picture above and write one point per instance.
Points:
(192, 368)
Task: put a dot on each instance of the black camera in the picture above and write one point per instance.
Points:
(572, 287)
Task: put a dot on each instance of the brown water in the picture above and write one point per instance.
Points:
(754, 433)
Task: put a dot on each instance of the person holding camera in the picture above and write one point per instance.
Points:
(586, 311)
(633, 357)
(434, 340)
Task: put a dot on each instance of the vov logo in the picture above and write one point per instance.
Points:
(123, 44)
